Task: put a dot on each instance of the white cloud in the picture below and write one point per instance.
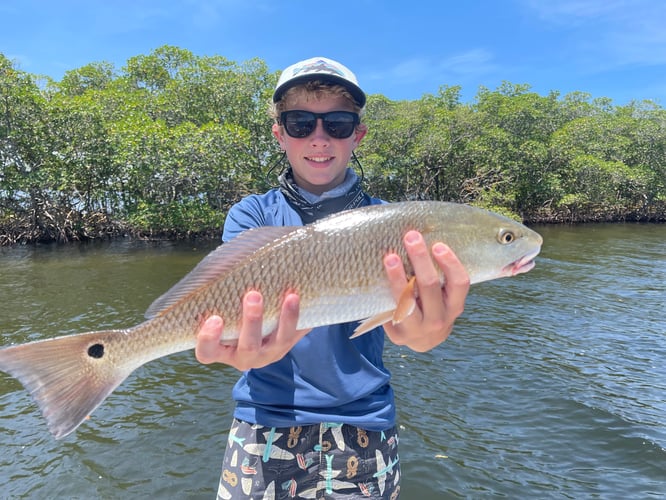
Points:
(468, 65)
(609, 33)
(568, 11)
(473, 62)
(411, 70)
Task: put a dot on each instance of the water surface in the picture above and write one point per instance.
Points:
(553, 384)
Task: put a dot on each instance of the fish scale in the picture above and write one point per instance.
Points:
(335, 265)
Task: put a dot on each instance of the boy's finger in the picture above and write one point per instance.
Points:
(249, 338)
(208, 340)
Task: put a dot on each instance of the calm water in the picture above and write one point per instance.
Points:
(553, 384)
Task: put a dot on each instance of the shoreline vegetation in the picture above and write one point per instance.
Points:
(161, 148)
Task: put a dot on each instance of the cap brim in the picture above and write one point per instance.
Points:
(354, 90)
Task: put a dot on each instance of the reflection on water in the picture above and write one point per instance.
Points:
(552, 384)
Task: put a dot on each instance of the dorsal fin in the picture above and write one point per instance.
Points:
(217, 263)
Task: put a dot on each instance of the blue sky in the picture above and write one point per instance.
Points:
(403, 50)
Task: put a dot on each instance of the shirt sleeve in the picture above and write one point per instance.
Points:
(244, 215)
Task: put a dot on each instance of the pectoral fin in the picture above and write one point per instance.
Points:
(406, 306)
(407, 302)
(373, 322)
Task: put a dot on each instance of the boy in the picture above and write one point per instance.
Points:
(315, 414)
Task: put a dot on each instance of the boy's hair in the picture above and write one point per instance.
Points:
(312, 90)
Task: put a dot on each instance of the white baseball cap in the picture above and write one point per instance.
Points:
(322, 69)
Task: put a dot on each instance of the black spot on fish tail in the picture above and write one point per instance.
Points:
(96, 351)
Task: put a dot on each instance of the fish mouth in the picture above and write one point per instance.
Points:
(522, 265)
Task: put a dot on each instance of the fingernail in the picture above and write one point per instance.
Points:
(293, 303)
(412, 237)
(253, 298)
(214, 322)
(392, 261)
(439, 249)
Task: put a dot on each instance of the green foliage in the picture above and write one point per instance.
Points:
(95, 76)
(166, 144)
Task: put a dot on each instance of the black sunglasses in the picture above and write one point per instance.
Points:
(337, 124)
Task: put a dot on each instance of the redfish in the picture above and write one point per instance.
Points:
(335, 265)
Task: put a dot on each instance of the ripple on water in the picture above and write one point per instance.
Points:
(551, 386)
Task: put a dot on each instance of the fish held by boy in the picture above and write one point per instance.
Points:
(335, 265)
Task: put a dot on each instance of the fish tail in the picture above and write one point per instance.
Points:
(68, 377)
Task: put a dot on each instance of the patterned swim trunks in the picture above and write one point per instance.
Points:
(331, 461)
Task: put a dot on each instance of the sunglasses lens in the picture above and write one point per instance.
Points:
(340, 124)
(300, 124)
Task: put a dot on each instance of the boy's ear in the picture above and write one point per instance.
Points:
(277, 133)
(359, 134)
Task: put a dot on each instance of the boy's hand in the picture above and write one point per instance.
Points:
(437, 308)
(251, 350)
(428, 325)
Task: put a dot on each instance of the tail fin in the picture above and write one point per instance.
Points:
(68, 376)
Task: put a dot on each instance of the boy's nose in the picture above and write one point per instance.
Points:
(319, 132)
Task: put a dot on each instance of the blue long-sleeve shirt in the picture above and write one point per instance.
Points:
(326, 377)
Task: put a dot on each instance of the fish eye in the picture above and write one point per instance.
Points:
(506, 236)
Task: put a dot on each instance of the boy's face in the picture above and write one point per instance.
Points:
(319, 161)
